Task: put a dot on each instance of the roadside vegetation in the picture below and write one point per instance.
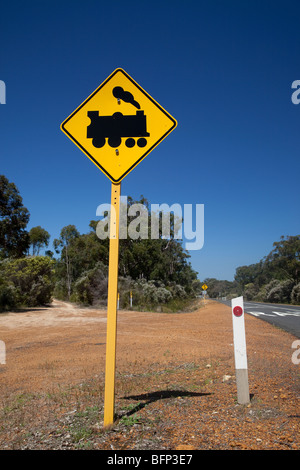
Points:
(276, 278)
(155, 274)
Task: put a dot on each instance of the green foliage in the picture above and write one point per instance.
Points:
(274, 278)
(8, 295)
(28, 282)
(14, 239)
(130, 420)
(284, 259)
(91, 287)
(62, 245)
(219, 288)
(295, 295)
(39, 238)
(23, 281)
(281, 293)
(256, 274)
(150, 292)
(156, 270)
(250, 291)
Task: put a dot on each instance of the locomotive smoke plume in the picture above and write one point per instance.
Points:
(126, 96)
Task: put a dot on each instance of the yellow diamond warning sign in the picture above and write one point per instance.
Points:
(118, 125)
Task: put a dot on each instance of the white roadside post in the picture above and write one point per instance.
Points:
(240, 351)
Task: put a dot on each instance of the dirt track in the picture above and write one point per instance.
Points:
(176, 371)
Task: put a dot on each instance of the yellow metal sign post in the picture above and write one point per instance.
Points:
(111, 335)
(116, 127)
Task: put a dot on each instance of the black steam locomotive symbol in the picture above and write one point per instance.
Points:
(117, 126)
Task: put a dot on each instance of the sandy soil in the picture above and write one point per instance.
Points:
(175, 386)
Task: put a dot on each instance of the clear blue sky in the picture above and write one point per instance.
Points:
(222, 69)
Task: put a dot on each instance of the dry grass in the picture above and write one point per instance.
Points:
(170, 387)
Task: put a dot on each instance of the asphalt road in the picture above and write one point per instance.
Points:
(286, 317)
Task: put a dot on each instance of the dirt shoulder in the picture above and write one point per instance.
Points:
(175, 382)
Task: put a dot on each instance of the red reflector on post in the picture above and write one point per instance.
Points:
(238, 311)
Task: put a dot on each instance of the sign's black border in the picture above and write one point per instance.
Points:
(146, 153)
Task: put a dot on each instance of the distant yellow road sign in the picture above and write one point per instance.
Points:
(118, 125)
(204, 287)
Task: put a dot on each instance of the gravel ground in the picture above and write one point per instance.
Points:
(175, 382)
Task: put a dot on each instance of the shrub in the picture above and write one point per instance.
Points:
(281, 293)
(91, 287)
(178, 291)
(8, 296)
(162, 295)
(60, 290)
(295, 296)
(152, 292)
(250, 291)
(28, 281)
(262, 295)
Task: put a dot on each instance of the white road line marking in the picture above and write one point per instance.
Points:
(257, 314)
(284, 314)
(275, 313)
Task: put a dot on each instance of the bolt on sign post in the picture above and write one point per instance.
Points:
(116, 127)
(240, 351)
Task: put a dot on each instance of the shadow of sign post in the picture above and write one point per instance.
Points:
(159, 395)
